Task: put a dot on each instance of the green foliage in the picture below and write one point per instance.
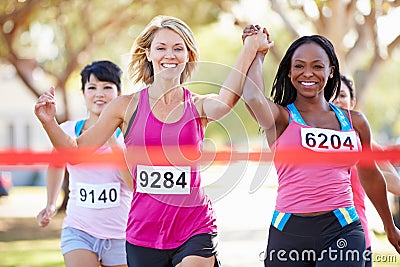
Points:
(99, 28)
(382, 104)
(59, 37)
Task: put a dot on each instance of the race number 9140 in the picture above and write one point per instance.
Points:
(98, 196)
(319, 139)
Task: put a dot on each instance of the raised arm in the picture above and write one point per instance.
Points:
(373, 182)
(217, 106)
(45, 111)
(262, 109)
(96, 136)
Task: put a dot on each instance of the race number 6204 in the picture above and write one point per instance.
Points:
(319, 139)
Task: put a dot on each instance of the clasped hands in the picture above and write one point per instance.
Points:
(261, 35)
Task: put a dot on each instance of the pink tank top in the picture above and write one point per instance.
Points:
(311, 188)
(159, 219)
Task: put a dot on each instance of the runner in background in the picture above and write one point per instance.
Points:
(93, 231)
(347, 101)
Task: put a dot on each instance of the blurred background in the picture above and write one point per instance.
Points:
(48, 42)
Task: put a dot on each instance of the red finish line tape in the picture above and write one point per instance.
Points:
(184, 156)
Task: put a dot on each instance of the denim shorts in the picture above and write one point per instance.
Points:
(109, 251)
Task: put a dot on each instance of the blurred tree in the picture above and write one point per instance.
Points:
(55, 38)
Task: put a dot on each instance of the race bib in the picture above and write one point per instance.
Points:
(98, 196)
(163, 179)
(319, 139)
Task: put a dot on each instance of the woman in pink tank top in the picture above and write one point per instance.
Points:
(314, 222)
(171, 221)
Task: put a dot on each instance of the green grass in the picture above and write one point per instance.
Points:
(32, 253)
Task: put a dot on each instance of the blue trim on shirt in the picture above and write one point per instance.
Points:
(340, 115)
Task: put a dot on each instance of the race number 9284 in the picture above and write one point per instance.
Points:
(163, 179)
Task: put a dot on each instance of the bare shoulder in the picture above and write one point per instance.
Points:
(199, 99)
(202, 97)
(127, 105)
(361, 126)
(119, 105)
(360, 122)
(127, 99)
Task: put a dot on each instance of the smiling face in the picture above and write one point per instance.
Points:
(168, 54)
(310, 70)
(98, 94)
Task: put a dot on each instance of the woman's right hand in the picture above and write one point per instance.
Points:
(45, 107)
(44, 216)
(250, 30)
(253, 33)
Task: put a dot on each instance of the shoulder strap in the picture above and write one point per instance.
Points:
(142, 94)
(118, 132)
(79, 127)
(130, 122)
(295, 114)
(345, 124)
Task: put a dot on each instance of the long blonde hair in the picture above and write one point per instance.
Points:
(140, 69)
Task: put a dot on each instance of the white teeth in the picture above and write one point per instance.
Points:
(307, 83)
(166, 65)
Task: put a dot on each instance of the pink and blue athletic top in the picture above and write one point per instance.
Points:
(169, 205)
(315, 187)
(99, 200)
